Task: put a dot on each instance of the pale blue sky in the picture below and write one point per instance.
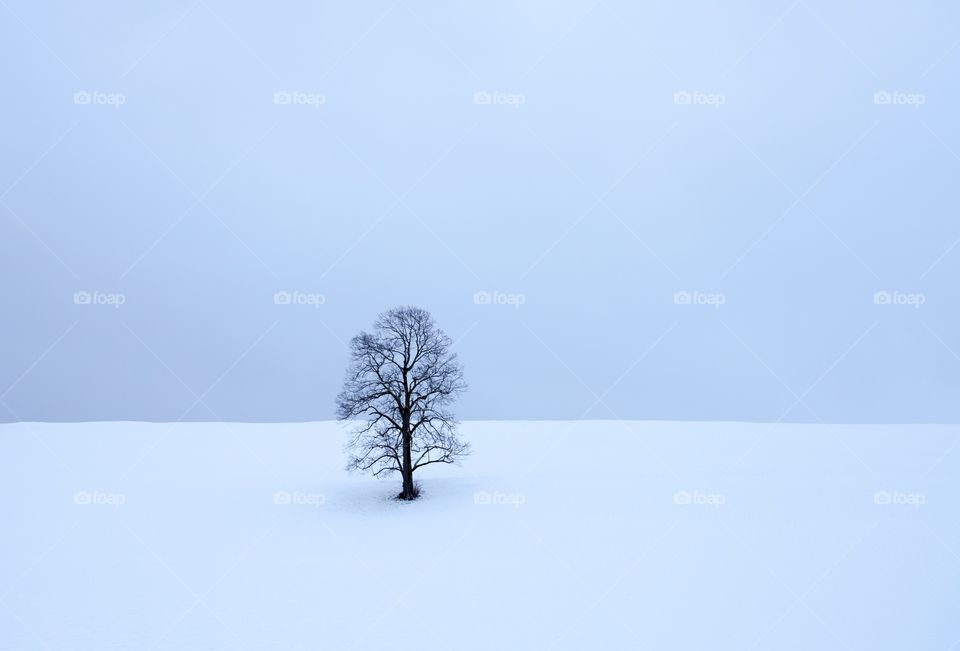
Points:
(779, 161)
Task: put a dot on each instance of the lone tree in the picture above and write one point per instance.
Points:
(401, 379)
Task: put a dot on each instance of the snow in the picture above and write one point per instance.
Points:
(553, 535)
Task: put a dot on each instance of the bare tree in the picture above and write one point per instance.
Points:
(401, 379)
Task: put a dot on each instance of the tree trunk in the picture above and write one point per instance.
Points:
(408, 492)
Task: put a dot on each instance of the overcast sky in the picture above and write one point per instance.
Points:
(676, 210)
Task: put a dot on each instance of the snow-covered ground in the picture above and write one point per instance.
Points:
(553, 535)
